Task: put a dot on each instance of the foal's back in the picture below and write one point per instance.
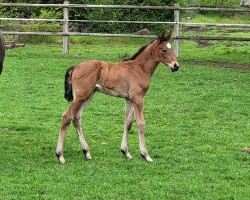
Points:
(116, 79)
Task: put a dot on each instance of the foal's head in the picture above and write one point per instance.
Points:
(165, 52)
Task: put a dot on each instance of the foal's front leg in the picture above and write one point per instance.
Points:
(138, 107)
(127, 126)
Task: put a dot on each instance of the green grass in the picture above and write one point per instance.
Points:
(197, 122)
(223, 18)
(216, 31)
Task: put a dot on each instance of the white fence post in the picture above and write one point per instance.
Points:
(66, 28)
(176, 29)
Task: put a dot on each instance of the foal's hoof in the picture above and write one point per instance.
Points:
(147, 158)
(126, 154)
(86, 154)
(60, 158)
(88, 157)
(246, 150)
(62, 161)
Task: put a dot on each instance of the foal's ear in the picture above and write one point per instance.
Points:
(162, 37)
(168, 37)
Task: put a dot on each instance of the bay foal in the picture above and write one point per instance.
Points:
(127, 79)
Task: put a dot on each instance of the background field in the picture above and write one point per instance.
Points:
(197, 123)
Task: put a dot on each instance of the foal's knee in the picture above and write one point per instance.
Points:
(129, 122)
(76, 119)
(141, 125)
(66, 119)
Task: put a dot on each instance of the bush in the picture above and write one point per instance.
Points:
(121, 15)
(218, 3)
(94, 14)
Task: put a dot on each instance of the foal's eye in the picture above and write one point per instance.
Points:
(164, 50)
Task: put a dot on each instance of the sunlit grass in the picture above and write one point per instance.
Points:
(197, 122)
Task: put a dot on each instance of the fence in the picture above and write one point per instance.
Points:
(66, 33)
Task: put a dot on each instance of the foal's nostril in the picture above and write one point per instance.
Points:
(176, 67)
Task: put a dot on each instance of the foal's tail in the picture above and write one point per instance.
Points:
(68, 95)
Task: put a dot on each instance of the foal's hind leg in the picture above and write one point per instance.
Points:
(127, 126)
(67, 117)
(77, 125)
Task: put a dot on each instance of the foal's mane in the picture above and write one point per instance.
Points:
(139, 52)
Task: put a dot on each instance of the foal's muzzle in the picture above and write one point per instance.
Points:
(175, 67)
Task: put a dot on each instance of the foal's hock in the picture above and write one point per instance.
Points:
(128, 79)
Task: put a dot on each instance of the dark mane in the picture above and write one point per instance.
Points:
(138, 52)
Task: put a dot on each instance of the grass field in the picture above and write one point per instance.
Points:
(197, 123)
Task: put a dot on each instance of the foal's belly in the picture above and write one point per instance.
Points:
(114, 91)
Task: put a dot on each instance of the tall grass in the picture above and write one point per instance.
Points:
(197, 122)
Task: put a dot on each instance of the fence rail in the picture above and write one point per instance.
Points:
(68, 5)
(128, 22)
(123, 35)
(176, 8)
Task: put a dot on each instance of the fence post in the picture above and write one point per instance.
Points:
(66, 28)
(176, 29)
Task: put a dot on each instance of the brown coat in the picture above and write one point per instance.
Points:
(127, 79)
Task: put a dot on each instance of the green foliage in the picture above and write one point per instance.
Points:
(106, 14)
(97, 14)
(121, 15)
(218, 3)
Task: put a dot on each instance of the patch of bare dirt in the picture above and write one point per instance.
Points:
(202, 43)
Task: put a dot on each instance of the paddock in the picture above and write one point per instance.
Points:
(197, 124)
(197, 120)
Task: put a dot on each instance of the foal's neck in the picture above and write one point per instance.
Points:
(147, 60)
